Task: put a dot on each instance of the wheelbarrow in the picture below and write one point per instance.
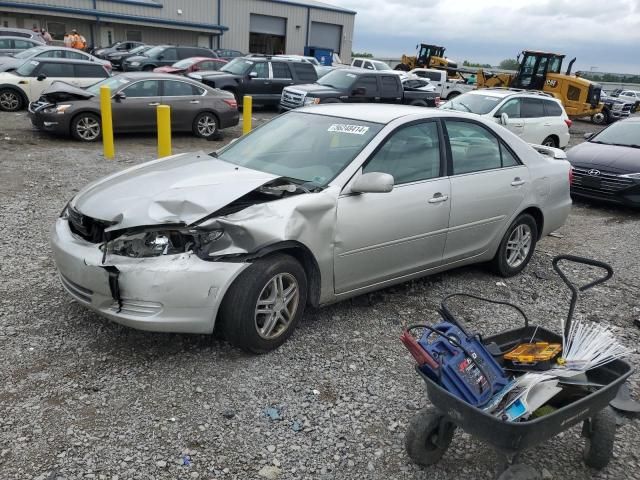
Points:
(430, 432)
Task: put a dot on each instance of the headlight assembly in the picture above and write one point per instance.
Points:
(311, 101)
(60, 109)
(148, 244)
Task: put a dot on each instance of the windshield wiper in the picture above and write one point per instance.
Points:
(464, 106)
(598, 141)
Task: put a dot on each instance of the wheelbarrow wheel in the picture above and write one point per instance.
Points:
(600, 432)
(520, 472)
(428, 437)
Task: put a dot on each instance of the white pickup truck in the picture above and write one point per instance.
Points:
(445, 87)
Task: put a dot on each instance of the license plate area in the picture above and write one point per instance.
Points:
(591, 182)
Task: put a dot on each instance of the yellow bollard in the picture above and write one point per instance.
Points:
(164, 130)
(107, 122)
(247, 106)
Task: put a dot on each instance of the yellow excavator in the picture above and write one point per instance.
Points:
(542, 71)
(429, 56)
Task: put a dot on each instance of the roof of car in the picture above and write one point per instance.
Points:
(507, 92)
(154, 75)
(64, 60)
(18, 37)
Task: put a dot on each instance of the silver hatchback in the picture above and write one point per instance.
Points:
(318, 205)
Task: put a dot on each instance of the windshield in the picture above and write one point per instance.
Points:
(626, 134)
(140, 49)
(472, 103)
(381, 65)
(186, 63)
(340, 79)
(302, 146)
(27, 68)
(237, 66)
(154, 51)
(114, 83)
(30, 52)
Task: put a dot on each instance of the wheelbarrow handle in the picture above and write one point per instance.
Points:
(574, 288)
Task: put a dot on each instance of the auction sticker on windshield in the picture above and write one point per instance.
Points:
(344, 128)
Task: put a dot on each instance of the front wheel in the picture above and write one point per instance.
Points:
(10, 100)
(550, 142)
(428, 437)
(262, 307)
(600, 432)
(517, 246)
(86, 127)
(205, 125)
(600, 118)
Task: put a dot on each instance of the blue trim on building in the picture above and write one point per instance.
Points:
(139, 3)
(99, 14)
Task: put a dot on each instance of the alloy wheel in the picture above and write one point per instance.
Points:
(206, 125)
(277, 306)
(518, 245)
(88, 128)
(9, 101)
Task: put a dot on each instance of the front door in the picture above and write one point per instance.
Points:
(49, 73)
(107, 37)
(383, 236)
(258, 82)
(512, 108)
(488, 184)
(137, 112)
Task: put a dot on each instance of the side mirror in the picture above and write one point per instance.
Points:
(359, 91)
(588, 135)
(41, 77)
(504, 119)
(253, 74)
(373, 182)
(120, 96)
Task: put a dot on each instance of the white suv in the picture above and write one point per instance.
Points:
(27, 82)
(534, 116)
(631, 96)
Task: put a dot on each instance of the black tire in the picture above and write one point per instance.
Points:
(402, 67)
(504, 263)
(600, 432)
(452, 95)
(601, 118)
(421, 440)
(330, 100)
(419, 103)
(11, 100)
(83, 127)
(205, 125)
(240, 323)
(520, 472)
(550, 141)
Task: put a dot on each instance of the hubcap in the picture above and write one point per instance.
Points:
(598, 118)
(88, 128)
(206, 126)
(9, 101)
(518, 245)
(549, 143)
(277, 306)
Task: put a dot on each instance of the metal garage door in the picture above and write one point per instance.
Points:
(267, 24)
(326, 35)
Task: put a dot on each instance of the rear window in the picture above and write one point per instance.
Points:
(57, 70)
(23, 44)
(5, 43)
(305, 72)
(552, 109)
(90, 71)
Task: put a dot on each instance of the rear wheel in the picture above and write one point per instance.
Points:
(205, 125)
(264, 304)
(517, 246)
(419, 103)
(452, 95)
(600, 432)
(86, 127)
(550, 141)
(428, 437)
(11, 100)
(600, 118)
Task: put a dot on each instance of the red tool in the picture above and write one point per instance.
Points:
(420, 354)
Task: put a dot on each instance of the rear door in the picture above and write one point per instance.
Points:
(488, 185)
(371, 90)
(536, 125)
(168, 57)
(392, 90)
(137, 112)
(185, 101)
(282, 77)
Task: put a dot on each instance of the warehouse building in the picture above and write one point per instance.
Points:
(255, 26)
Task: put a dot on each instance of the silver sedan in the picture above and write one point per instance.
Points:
(316, 206)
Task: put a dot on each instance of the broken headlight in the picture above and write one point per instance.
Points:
(158, 243)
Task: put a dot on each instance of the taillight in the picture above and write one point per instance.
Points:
(568, 122)
(231, 102)
(571, 176)
(438, 101)
(108, 66)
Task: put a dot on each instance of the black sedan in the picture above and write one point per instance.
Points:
(64, 109)
(607, 166)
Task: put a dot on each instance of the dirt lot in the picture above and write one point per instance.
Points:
(85, 398)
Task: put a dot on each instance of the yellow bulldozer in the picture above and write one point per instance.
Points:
(429, 56)
(542, 71)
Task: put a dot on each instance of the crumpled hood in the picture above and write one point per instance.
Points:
(63, 89)
(611, 157)
(178, 189)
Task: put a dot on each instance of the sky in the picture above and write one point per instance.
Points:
(604, 36)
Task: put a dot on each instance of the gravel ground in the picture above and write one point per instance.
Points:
(85, 398)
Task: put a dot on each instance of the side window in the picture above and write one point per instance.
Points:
(532, 108)
(5, 43)
(368, 65)
(409, 155)
(52, 54)
(508, 160)
(306, 73)
(390, 87)
(23, 44)
(74, 55)
(145, 88)
(281, 70)
(473, 148)
(573, 93)
(262, 69)
(511, 108)
(357, 63)
(197, 90)
(177, 89)
(170, 54)
(56, 70)
(433, 76)
(370, 83)
(551, 109)
(90, 71)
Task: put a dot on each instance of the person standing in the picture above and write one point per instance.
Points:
(68, 40)
(47, 36)
(77, 40)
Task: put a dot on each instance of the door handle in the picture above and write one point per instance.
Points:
(547, 124)
(194, 101)
(517, 182)
(438, 198)
(154, 104)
